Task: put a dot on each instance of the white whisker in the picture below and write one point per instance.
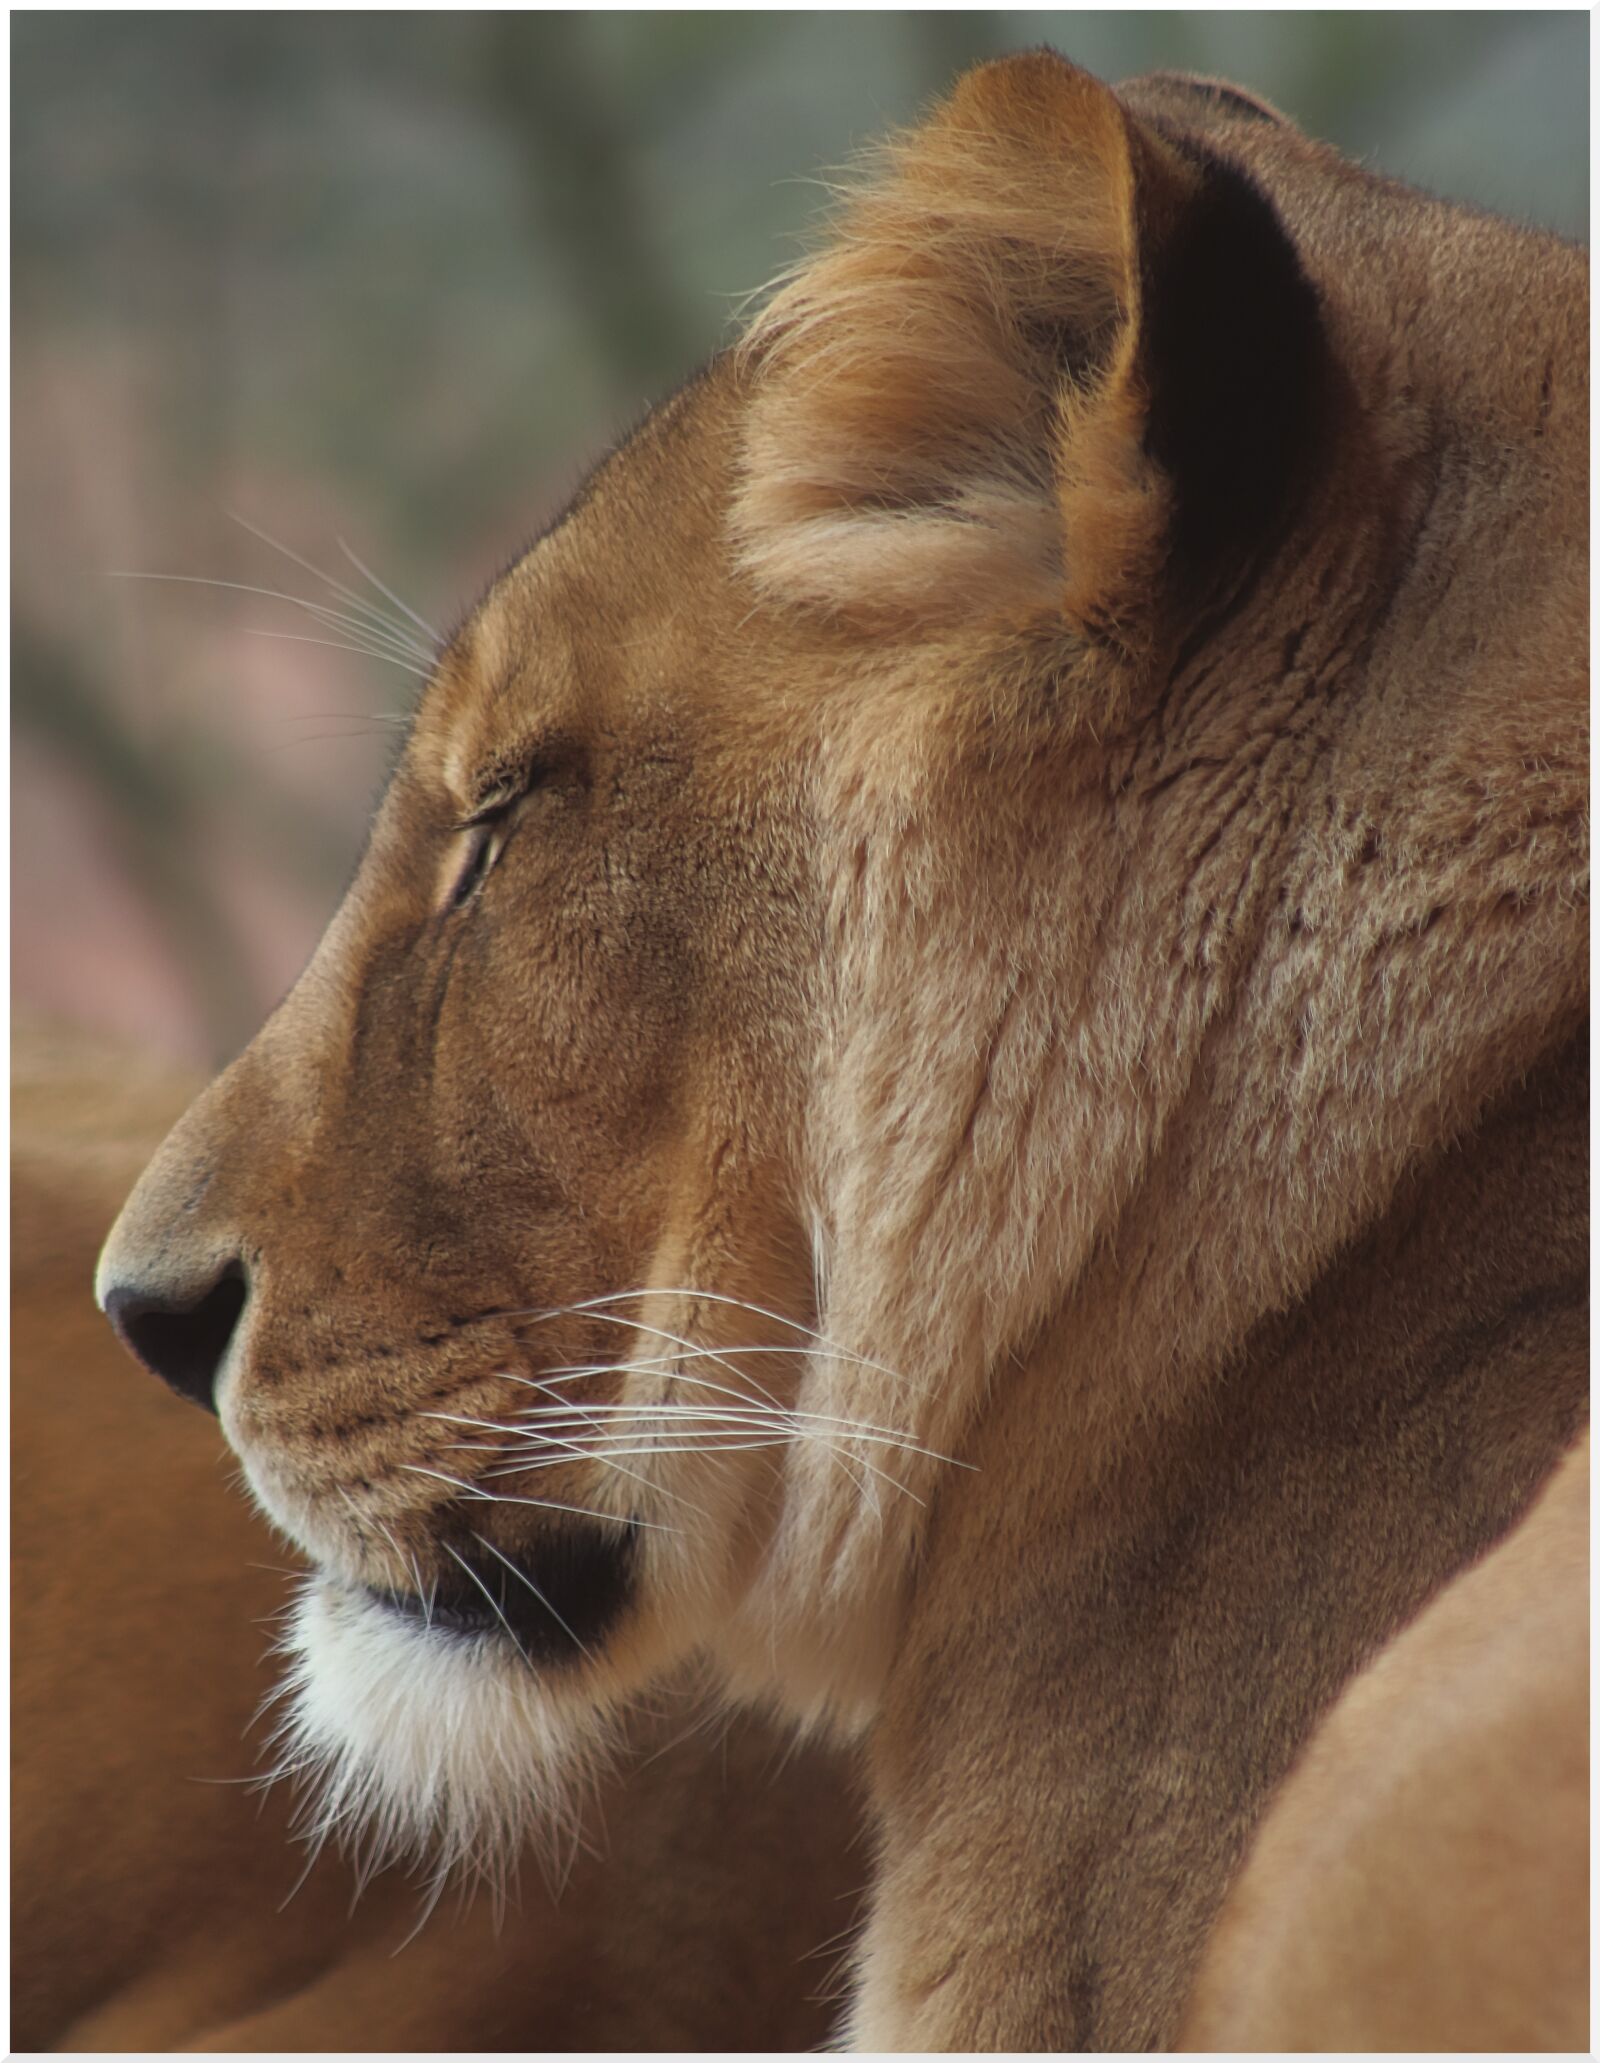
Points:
(711, 1296)
(641, 1440)
(467, 1569)
(523, 1577)
(569, 1451)
(582, 1511)
(294, 637)
(762, 1431)
(542, 1415)
(339, 587)
(373, 633)
(364, 716)
(699, 1382)
(608, 1456)
(405, 607)
(689, 1346)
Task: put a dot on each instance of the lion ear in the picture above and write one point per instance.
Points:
(1045, 351)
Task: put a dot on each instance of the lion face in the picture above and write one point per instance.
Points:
(883, 861)
(491, 1251)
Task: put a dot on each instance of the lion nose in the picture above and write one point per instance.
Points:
(181, 1338)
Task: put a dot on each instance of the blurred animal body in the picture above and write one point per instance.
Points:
(1422, 1879)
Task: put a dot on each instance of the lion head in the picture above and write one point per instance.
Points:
(956, 847)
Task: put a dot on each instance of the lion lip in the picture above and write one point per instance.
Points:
(438, 1614)
(553, 1602)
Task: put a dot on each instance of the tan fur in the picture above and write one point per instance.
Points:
(1073, 897)
(909, 445)
(151, 1889)
(1422, 1879)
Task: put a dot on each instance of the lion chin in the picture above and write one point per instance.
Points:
(415, 1740)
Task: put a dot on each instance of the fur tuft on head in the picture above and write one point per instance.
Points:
(948, 406)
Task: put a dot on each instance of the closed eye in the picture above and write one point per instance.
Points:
(484, 841)
(489, 826)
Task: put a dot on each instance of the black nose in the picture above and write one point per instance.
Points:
(182, 1340)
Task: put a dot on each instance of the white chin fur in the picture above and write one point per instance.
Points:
(415, 1742)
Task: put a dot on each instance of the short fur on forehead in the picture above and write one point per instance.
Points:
(948, 407)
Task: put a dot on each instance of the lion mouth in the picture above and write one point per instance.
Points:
(552, 1603)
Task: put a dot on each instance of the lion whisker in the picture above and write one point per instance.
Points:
(765, 1402)
(466, 1566)
(541, 1503)
(405, 607)
(711, 1296)
(777, 1428)
(748, 1440)
(428, 1597)
(378, 638)
(523, 1577)
(569, 1451)
(668, 1360)
(351, 1506)
(333, 645)
(340, 587)
(544, 1415)
(690, 1348)
(713, 1354)
(363, 716)
(728, 1443)
(597, 1306)
(524, 1437)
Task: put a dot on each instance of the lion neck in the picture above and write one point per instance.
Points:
(1231, 1216)
(1132, 1039)
(1152, 1639)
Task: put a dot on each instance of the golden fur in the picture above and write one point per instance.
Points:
(1422, 1880)
(154, 1899)
(958, 1040)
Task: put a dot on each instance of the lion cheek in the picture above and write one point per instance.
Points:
(287, 1507)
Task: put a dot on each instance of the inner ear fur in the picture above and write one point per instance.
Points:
(1046, 351)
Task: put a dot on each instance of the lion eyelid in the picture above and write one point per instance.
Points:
(487, 812)
(504, 794)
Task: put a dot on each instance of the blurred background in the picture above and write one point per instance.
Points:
(386, 284)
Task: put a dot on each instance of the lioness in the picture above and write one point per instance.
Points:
(954, 1081)
(158, 1901)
